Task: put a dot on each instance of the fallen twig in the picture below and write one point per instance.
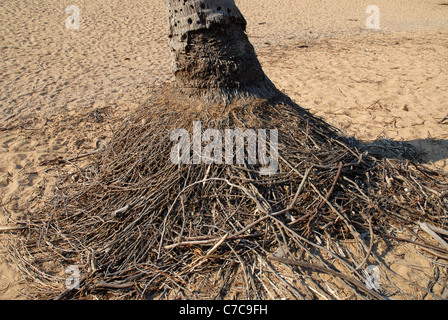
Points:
(5, 229)
(429, 229)
(60, 160)
(353, 281)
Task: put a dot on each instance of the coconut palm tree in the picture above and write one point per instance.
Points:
(212, 55)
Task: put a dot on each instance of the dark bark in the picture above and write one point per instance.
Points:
(212, 55)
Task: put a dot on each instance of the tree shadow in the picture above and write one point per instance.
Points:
(422, 151)
(425, 151)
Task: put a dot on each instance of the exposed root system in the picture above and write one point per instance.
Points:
(139, 226)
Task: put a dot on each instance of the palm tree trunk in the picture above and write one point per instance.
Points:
(212, 55)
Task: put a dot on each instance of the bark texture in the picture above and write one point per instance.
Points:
(212, 55)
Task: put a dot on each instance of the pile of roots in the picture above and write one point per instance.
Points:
(138, 226)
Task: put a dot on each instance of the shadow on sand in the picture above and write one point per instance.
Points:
(423, 151)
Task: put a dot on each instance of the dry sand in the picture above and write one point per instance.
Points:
(61, 90)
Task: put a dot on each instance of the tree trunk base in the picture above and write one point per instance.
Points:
(220, 64)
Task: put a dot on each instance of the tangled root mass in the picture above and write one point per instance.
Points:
(140, 226)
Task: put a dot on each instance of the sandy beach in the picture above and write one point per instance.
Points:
(63, 90)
